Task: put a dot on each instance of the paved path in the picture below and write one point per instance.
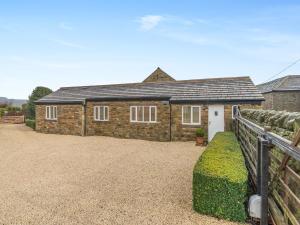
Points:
(58, 179)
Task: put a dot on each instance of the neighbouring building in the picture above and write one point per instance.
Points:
(282, 93)
(159, 108)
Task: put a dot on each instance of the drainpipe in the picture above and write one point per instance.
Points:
(83, 119)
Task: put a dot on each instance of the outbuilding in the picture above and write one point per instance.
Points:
(282, 93)
(159, 108)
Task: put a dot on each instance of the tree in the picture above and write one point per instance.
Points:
(36, 94)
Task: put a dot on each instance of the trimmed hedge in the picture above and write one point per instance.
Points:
(30, 123)
(220, 179)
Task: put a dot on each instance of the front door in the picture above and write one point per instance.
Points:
(215, 120)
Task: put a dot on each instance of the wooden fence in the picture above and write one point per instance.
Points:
(274, 167)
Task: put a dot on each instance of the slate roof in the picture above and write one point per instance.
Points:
(214, 89)
(287, 83)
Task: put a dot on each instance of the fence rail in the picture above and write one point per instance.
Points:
(274, 167)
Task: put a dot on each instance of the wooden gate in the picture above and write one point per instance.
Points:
(274, 167)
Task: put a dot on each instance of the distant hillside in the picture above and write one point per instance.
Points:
(13, 102)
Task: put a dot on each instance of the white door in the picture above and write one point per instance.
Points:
(215, 120)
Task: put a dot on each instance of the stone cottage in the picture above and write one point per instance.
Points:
(159, 108)
(282, 93)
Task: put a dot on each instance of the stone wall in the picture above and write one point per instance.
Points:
(69, 120)
(288, 100)
(281, 122)
(284, 100)
(12, 119)
(268, 103)
(183, 132)
(119, 124)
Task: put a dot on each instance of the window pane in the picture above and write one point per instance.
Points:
(133, 113)
(186, 114)
(196, 115)
(47, 112)
(95, 112)
(146, 114)
(101, 113)
(51, 114)
(153, 114)
(55, 112)
(140, 113)
(106, 112)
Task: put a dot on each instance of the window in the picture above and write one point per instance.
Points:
(51, 112)
(191, 115)
(101, 113)
(143, 114)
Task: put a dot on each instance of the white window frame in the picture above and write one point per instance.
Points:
(191, 123)
(48, 115)
(143, 107)
(99, 113)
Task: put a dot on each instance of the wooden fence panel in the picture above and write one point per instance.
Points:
(284, 191)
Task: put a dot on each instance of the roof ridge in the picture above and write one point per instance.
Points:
(208, 89)
(160, 82)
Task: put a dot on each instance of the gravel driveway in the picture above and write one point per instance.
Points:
(57, 179)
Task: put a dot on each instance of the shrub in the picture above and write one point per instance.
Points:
(36, 94)
(30, 123)
(2, 111)
(200, 132)
(220, 179)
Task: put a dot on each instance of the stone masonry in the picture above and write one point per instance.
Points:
(285, 100)
(169, 127)
(119, 124)
(69, 120)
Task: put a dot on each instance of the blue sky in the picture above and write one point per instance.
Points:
(67, 43)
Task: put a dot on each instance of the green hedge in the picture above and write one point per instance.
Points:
(30, 123)
(220, 179)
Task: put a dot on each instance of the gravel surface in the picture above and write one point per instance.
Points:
(58, 179)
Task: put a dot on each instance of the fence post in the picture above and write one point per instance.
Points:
(264, 171)
(238, 129)
(258, 166)
(236, 125)
(234, 119)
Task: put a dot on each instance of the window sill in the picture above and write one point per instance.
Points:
(144, 122)
(101, 120)
(191, 124)
(51, 120)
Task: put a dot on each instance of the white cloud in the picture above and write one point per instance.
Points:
(65, 26)
(150, 21)
(68, 44)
